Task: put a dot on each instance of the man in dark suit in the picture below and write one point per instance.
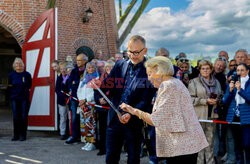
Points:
(127, 83)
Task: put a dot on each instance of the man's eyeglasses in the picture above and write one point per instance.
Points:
(233, 65)
(136, 53)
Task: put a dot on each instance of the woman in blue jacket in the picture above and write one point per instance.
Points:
(237, 96)
(20, 81)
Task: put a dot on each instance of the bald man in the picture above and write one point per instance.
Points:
(73, 83)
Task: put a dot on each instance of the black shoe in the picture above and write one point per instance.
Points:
(63, 137)
(15, 138)
(101, 152)
(22, 138)
(70, 141)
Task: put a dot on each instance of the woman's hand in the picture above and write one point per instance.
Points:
(238, 85)
(211, 101)
(128, 108)
(82, 103)
(231, 86)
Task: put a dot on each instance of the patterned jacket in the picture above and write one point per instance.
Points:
(178, 131)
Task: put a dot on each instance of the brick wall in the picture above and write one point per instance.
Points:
(16, 16)
(99, 33)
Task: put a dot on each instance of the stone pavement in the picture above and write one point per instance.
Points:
(44, 147)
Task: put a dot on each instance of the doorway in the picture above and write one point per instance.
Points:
(9, 50)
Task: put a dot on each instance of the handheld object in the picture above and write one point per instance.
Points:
(107, 99)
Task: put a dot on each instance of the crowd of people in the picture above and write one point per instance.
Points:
(152, 95)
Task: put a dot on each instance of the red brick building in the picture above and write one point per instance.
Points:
(16, 22)
(100, 32)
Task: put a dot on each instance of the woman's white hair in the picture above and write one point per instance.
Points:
(161, 64)
(109, 63)
(16, 60)
(91, 64)
(87, 65)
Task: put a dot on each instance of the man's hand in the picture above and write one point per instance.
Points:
(125, 118)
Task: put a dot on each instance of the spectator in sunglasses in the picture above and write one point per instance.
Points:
(232, 64)
(184, 70)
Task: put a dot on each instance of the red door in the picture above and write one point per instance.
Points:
(39, 50)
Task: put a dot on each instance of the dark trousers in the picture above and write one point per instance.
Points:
(190, 159)
(152, 134)
(241, 136)
(102, 121)
(20, 117)
(116, 134)
(75, 120)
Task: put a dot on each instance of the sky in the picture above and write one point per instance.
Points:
(200, 28)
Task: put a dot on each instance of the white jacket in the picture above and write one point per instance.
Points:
(85, 92)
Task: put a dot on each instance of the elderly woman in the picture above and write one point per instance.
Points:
(179, 136)
(21, 83)
(107, 69)
(69, 69)
(205, 91)
(87, 113)
(237, 97)
(61, 85)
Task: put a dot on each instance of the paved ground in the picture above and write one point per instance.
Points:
(43, 147)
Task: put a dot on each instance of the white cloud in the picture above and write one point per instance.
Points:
(204, 27)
